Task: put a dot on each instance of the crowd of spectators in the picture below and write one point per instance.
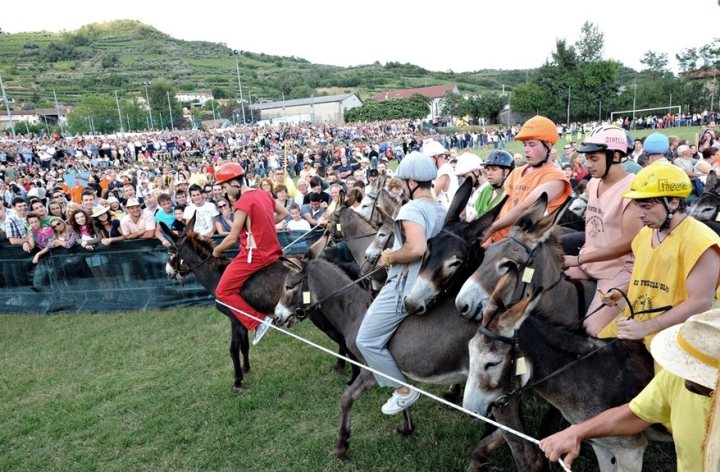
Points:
(108, 189)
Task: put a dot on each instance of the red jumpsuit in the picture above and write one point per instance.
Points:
(260, 209)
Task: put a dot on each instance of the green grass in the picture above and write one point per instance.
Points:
(151, 391)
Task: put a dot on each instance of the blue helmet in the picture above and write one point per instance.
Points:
(418, 167)
(656, 143)
(500, 158)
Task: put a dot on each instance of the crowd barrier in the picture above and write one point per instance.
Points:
(125, 276)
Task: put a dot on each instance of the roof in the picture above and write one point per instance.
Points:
(433, 91)
(302, 101)
(43, 111)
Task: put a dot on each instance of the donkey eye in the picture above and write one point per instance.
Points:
(490, 365)
(454, 264)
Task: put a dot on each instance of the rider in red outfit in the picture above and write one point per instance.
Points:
(256, 215)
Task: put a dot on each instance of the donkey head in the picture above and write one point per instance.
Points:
(705, 208)
(289, 309)
(494, 365)
(518, 250)
(383, 240)
(450, 256)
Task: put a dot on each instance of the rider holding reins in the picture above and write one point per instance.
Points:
(498, 166)
(611, 223)
(677, 258)
(256, 215)
(524, 185)
(417, 221)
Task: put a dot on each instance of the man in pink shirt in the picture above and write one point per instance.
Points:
(136, 224)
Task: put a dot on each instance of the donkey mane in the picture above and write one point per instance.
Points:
(333, 274)
(204, 248)
(573, 341)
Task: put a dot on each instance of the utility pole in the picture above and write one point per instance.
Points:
(712, 94)
(117, 102)
(568, 109)
(600, 112)
(634, 96)
(57, 108)
(147, 99)
(212, 103)
(7, 108)
(170, 110)
(237, 68)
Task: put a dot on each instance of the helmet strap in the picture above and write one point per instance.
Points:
(669, 214)
(412, 190)
(547, 156)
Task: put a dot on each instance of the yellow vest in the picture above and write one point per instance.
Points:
(660, 273)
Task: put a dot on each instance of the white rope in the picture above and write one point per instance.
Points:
(404, 384)
(298, 239)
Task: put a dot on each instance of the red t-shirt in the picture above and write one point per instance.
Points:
(260, 208)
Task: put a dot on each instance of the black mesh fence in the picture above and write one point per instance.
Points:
(125, 276)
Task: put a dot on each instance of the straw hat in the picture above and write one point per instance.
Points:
(99, 210)
(691, 350)
(131, 202)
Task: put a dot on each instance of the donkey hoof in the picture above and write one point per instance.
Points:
(337, 369)
(478, 464)
(404, 431)
(237, 389)
(341, 449)
(246, 369)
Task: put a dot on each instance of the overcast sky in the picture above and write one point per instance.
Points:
(440, 35)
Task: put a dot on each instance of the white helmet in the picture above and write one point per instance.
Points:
(433, 148)
(467, 162)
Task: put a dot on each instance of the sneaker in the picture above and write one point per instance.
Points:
(398, 402)
(261, 330)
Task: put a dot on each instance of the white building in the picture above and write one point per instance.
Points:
(327, 109)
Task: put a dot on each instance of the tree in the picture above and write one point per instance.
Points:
(159, 92)
(490, 106)
(413, 107)
(451, 104)
(655, 62)
(688, 59)
(590, 45)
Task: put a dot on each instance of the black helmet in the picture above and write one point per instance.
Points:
(500, 158)
(630, 144)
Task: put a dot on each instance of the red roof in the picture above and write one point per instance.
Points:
(434, 91)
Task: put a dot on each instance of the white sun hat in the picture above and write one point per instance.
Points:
(691, 350)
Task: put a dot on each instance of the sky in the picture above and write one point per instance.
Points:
(446, 35)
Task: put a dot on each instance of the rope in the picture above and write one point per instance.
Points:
(404, 384)
(301, 236)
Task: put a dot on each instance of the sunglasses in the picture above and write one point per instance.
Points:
(57, 225)
(222, 206)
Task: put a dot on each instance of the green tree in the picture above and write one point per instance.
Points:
(219, 92)
(655, 62)
(688, 59)
(590, 45)
(413, 107)
(490, 105)
(160, 91)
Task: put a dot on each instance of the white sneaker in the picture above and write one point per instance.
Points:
(262, 329)
(398, 402)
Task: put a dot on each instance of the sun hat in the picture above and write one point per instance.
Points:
(111, 199)
(691, 350)
(132, 202)
(99, 210)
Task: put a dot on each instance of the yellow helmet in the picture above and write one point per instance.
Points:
(659, 180)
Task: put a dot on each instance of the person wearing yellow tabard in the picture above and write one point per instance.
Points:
(679, 397)
(677, 258)
(525, 185)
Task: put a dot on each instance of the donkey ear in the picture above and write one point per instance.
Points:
(383, 214)
(291, 264)
(712, 181)
(190, 226)
(518, 313)
(169, 233)
(542, 229)
(317, 247)
(477, 230)
(528, 219)
(459, 202)
(502, 293)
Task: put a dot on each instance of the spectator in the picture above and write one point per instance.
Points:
(313, 211)
(266, 185)
(63, 235)
(16, 226)
(225, 218)
(115, 210)
(204, 213)
(107, 226)
(164, 214)
(135, 224)
(296, 223)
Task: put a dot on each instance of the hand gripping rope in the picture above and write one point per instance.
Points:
(404, 384)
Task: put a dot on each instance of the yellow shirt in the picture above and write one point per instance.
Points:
(665, 400)
(660, 273)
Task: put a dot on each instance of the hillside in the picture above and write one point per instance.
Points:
(121, 55)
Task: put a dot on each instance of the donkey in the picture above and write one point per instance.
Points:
(579, 392)
(534, 250)
(706, 207)
(262, 291)
(377, 198)
(428, 348)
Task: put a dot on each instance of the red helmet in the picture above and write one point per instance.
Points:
(228, 171)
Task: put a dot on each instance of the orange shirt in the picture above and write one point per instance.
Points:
(76, 193)
(521, 182)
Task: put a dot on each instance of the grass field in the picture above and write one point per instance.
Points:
(151, 391)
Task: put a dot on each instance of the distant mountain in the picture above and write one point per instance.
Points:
(121, 55)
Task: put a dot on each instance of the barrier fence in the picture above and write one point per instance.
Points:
(125, 276)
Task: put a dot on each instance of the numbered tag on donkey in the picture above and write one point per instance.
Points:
(528, 275)
(338, 228)
(717, 218)
(306, 298)
(520, 367)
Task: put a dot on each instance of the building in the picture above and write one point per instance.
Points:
(327, 109)
(39, 116)
(195, 99)
(434, 92)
